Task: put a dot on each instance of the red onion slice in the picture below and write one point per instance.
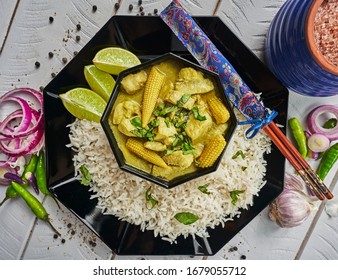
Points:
(315, 127)
(21, 132)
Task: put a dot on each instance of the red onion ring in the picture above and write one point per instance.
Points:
(22, 131)
(313, 122)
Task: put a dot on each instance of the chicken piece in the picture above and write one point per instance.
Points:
(216, 129)
(177, 158)
(164, 133)
(167, 173)
(191, 81)
(126, 110)
(190, 74)
(197, 129)
(195, 87)
(126, 127)
(198, 150)
(155, 146)
(174, 96)
(132, 83)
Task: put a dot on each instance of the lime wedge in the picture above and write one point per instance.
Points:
(113, 60)
(99, 81)
(84, 103)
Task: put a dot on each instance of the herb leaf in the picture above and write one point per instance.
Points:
(239, 153)
(197, 114)
(184, 99)
(186, 218)
(85, 175)
(204, 189)
(136, 122)
(150, 199)
(234, 196)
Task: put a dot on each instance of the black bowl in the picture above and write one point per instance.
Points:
(120, 158)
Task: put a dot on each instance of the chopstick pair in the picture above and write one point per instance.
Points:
(309, 176)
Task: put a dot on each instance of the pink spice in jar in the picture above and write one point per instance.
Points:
(326, 30)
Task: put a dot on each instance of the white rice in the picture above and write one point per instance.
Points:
(123, 195)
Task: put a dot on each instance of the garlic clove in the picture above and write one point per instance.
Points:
(331, 208)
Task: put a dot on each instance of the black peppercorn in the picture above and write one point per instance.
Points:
(94, 8)
(53, 75)
(155, 11)
(117, 6)
(50, 54)
(77, 38)
(78, 26)
(243, 257)
(75, 52)
(63, 240)
(140, 2)
(131, 7)
(142, 13)
(37, 64)
(141, 8)
(51, 19)
(55, 236)
(64, 59)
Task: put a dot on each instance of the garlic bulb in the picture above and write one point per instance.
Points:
(292, 207)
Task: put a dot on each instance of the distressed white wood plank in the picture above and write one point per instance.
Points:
(195, 7)
(7, 13)
(76, 240)
(323, 242)
(249, 20)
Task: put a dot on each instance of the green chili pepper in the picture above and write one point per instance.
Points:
(33, 203)
(41, 178)
(299, 136)
(328, 160)
(10, 193)
(331, 123)
(30, 167)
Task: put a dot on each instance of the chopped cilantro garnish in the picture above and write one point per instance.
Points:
(150, 200)
(197, 114)
(239, 153)
(234, 196)
(204, 189)
(184, 99)
(85, 176)
(136, 122)
(186, 218)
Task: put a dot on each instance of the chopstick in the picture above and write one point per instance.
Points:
(309, 176)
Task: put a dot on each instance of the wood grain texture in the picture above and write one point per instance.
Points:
(7, 14)
(195, 7)
(249, 20)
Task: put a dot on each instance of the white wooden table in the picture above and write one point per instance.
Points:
(27, 36)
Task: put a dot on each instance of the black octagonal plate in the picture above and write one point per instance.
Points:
(149, 37)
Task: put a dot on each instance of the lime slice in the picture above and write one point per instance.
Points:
(99, 81)
(84, 103)
(113, 60)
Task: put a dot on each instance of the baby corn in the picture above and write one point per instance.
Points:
(138, 149)
(212, 151)
(151, 92)
(217, 109)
